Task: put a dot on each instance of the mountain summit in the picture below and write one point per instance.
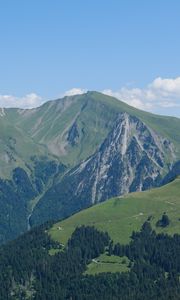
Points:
(76, 151)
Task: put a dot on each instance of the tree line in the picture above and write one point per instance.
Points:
(27, 271)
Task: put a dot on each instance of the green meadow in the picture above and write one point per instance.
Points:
(122, 215)
(105, 263)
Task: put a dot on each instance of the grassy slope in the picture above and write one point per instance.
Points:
(50, 123)
(45, 128)
(120, 216)
(16, 145)
(94, 114)
(39, 131)
(105, 263)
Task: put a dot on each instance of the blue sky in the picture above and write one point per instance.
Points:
(126, 48)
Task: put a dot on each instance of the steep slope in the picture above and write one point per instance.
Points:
(72, 128)
(132, 157)
(104, 147)
(123, 215)
(16, 147)
(19, 195)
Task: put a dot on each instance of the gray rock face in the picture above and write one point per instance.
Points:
(131, 158)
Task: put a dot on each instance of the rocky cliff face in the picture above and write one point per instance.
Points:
(77, 151)
(131, 158)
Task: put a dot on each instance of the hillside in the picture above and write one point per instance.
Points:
(93, 264)
(77, 151)
(16, 148)
(123, 215)
(73, 127)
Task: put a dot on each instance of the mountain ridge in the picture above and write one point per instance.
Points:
(71, 132)
(47, 121)
(132, 157)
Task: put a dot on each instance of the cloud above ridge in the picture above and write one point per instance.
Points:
(75, 91)
(28, 101)
(160, 94)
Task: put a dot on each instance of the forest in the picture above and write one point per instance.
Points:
(28, 271)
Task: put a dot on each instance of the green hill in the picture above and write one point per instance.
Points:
(148, 267)
(120, 216)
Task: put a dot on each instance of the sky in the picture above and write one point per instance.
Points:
(129, 49)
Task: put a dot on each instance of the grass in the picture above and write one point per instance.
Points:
(105, 263)
(120, 216)
(54, 251)
(44, 130)
(15, 149)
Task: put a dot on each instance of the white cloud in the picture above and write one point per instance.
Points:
(166, 86)
(32, 100)
(28, 101)
(159, 95)
(134, 97)
(75, 91)
(162, 96)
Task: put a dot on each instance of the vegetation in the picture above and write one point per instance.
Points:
(108, 263)
(120, 216)
(164, 221)
(27, 271)
(17, 196)
(93, 114)
(67, 130)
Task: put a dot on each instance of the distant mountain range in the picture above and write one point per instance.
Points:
(73, 152)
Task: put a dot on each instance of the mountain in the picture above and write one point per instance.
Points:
(118, 249)
(76, 151)
(72, 128)
(132, 157)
